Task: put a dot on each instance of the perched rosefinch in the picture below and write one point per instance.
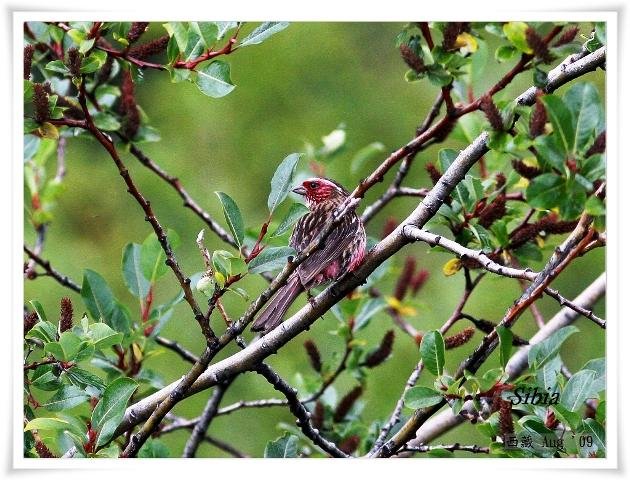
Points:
(342, 252)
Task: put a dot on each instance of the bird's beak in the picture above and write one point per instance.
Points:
(299, 190)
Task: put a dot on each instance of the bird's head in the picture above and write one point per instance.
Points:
(318, 190)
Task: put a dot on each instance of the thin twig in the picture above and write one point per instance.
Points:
(189, 202)
(150, 217)
(209, 412)
(559, 260)
(299, 411)
(394, 418)
(270, 343)
(177, 348)
(45, 264)
(451, 448)
(483, 260)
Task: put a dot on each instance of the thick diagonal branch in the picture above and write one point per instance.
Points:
(447, 420)
(270, 343)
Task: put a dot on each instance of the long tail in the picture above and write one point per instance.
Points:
(273, 313)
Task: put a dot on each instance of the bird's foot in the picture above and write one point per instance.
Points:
(311, 298)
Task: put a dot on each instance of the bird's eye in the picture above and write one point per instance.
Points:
(313, 185)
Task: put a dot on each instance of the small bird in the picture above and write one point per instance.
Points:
(343, 250)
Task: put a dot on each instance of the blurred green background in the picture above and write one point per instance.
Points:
(295, 87)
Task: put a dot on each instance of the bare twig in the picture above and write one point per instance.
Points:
(491, 266)
(518, 363)
(271, 342)
(209, 412)
(34, 365)
(189, 202)
(559, 260)
(299, 411)
(150, 217)
(177, 348)
(45, 264)
(451, 448)
(394, 418)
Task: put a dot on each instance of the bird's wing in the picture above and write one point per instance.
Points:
(337, 241)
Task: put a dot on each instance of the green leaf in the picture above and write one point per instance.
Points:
(545, 191)
(368, 309)
(550, 153)
(221, 262)
(207, 31)
(39, 310)
(110, 409)
(154, 448)
(84, 379)
(591, 427)
(104, 336)
(574, 199)
(421, 397)
(92, 63)
(505, 341)
(263, 32)
(594, 206)
(366, 154)
(76, 35)
(569, 418)
(438, 75)
(584, 103)
(135, 280)
(68, 396)
(224, 27)
(47, 424)
(542, 352)
(232, 217)
(516, 34)
(561, 120)
(214, 79)
(106, 121)
(296, 212)
(547, 375)
(594, 168)
(179, 31)
(70, 343)
(283, 447)
(578, 389)
(44, 378)
(97, 295)
(281, 180)
(86, 45)
(598, 365)
(432, 351)
(271, 258)
(152, 256)
(505, 53)
(57, 66)
(195, 45)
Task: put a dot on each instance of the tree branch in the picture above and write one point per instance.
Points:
(270, 343)
(209, 412)
(150, 217)
(562, 256)
(483, 260)
(518, 363)
(189, 202)
(299, 411)
(45, 264)
(177, 348)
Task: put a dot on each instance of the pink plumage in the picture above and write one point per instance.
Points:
(342, 252)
